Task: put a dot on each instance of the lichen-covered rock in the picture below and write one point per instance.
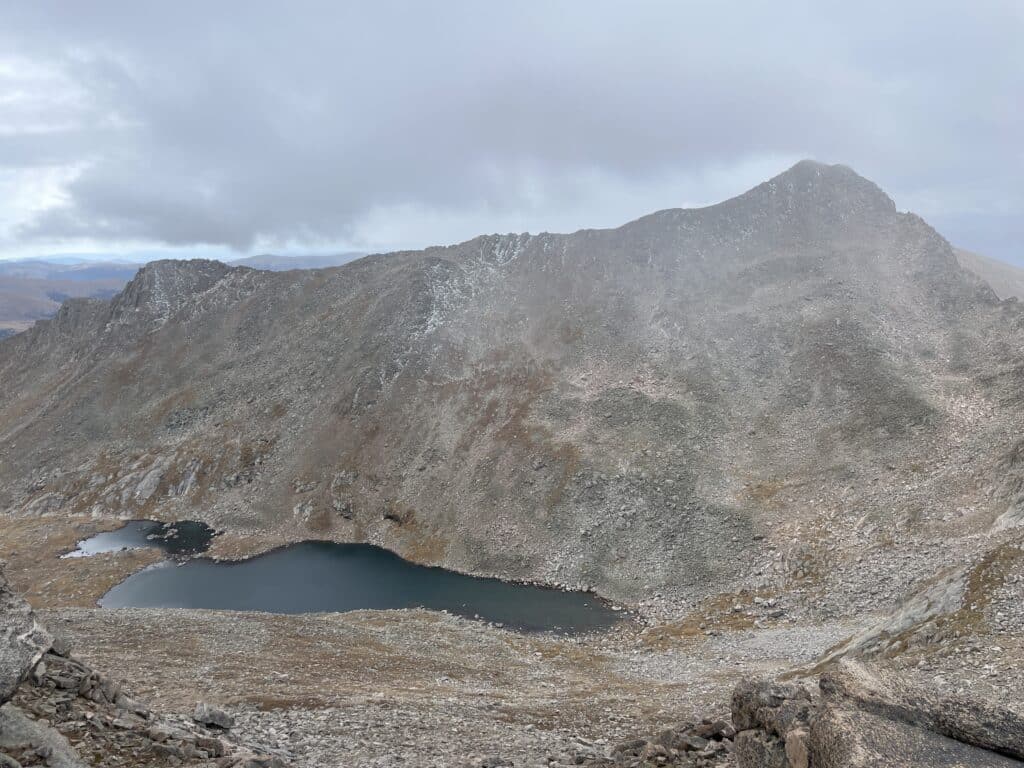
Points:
(35, 739)
(758, 749)
(959, 717)
(775, 707)
(23, 640)
(867, 717)
(796, 748)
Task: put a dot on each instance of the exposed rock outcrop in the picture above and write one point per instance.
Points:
(58, 711)
(863, 717)
(25, 740)
(856, 718)
(879, 693)
(206, 714)
(935, 600)
(23, 640)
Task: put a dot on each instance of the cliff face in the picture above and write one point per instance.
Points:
(766, 388)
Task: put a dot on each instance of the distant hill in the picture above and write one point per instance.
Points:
(282, 263)
(1005, 279)
(32, 290)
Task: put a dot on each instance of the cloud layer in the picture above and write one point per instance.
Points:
(314, 126)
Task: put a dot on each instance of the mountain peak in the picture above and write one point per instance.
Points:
(811, 195)
(814, 179)
(161, 287)
(809, 165)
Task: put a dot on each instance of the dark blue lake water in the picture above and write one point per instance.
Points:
(317, 576)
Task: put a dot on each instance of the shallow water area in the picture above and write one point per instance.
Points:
(319, 576)
(179, 539)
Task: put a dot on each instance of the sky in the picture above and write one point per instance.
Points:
(230, 128)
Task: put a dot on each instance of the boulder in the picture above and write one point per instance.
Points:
(770, 706)
(866, 717)
(847, 737)
(797, 752)
(971, 721)
(757, 749)
(23, 641)
(61, 647)
(214, 747)
(18, 731)
(206, 714)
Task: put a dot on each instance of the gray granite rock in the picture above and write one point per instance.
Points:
(210, 715)
(23, 640)
(867, 717)
(18, 731)
(971, 721)
(847, 737)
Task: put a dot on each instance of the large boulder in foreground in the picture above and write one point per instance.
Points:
(847, 737)
(862, 717)
(22, 734)
(23, 640)
(971, 721)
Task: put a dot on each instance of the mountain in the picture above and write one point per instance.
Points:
(1005, 279)
(800, 383)
(33, 289)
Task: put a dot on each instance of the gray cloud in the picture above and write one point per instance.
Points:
(314, 124)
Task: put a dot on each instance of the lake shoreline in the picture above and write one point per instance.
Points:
(309, 564)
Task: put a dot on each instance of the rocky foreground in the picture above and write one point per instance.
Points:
(856, 717)
(57, 711)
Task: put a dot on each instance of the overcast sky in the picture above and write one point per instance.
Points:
(185, 128)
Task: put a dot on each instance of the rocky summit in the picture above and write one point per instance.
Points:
(784, 430)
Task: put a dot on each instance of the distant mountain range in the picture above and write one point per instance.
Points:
(33, 289)
(274, 263)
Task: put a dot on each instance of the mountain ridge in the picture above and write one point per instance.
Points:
(33, 289)
(816, 180)
(634, 409)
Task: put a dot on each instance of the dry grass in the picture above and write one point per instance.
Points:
(713, 614)
(236, 546)
(32, 548)
(984, 579)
